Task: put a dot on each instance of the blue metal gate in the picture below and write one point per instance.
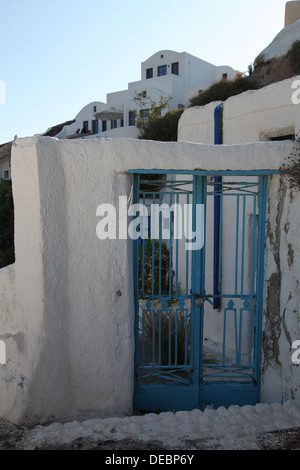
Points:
(198, 302)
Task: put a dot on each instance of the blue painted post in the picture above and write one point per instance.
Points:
(217, 213)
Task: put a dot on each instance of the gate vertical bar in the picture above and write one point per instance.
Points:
(136, 284)
(198, 263)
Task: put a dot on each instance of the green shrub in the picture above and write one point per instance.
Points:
(156, 258)
(167, 329)
(222, 90)
(7, 252)
(163, 128)
(294, 54)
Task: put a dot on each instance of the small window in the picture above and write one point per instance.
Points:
(6, 174)
(224, 76)
(175, 68)
(144, 113)
(161, 70)
(95, 109)
(149, 73)
(283, 137)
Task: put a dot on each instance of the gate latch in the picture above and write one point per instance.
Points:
(199, 300)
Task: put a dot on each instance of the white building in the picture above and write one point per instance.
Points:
(85, 121)
(270, 113)
(173, 75)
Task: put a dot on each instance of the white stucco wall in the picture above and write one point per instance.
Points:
(280, 378)
(66, 309)
(252, 116)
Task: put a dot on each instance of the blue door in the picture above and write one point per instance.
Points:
(95, 126)
(198, 279)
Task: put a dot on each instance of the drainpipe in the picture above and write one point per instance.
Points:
(218, 115)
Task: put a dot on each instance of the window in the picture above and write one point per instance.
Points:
(131, 118)
(224, 76)
(113, 124)
(95, 109)
(149, 73)
(6, 174)
(104, 126)
(161, 70)
(283, 137)
(175, 68)
(144, 113)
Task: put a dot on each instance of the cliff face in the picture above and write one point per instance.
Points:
(5, 150)
(277, 61)
(272, 71)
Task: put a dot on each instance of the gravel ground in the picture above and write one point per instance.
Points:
(261, 427)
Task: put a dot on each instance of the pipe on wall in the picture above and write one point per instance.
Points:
(218, 140)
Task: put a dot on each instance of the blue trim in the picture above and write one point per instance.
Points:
(206, 172)
(218, 114)
(218, 118)
(135, 284)
(166, 397)
(182, 397)
(226, 394)
(198, 280)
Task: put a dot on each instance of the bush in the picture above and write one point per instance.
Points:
(169, 331)
(165, 326)
(222, 90)
(295, 57)
(163, 128)
(7, 252)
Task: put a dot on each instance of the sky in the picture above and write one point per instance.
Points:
(58, 56)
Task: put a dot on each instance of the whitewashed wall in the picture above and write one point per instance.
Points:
(66, 308)
(252, 116)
